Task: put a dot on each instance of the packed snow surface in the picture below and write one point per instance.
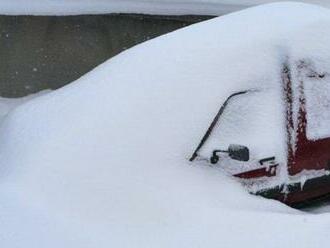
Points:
(103, 162)
(161, 7)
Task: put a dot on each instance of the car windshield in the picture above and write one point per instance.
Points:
(254, 119)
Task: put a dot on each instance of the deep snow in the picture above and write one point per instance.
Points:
(160, 7)
(8, 104)
(103, 162)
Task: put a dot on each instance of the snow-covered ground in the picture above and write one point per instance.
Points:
(8, 104)
(162, 7)
(103, 162)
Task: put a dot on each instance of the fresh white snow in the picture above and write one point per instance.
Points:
(103, 162)
(311, 44)
(160, 7)
(8, 104)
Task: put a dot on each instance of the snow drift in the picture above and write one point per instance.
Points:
(104, 161)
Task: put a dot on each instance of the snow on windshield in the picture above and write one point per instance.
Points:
(255, 120)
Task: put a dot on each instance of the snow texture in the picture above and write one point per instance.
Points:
(312, 68)
(247, 120)
(103, 162)
(8, 104)
(160, 7)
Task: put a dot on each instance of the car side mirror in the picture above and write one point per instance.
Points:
(239, 152)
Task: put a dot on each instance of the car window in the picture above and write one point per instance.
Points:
(317, 94)
(255, 120)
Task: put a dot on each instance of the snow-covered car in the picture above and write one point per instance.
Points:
(270, 128)
(305, 114)
(111, 160)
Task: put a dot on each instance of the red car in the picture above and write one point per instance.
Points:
(305, 175)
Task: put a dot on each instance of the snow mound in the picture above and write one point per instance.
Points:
(103, 162)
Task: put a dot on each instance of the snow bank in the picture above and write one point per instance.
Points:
(159, 7)
(103, 162)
